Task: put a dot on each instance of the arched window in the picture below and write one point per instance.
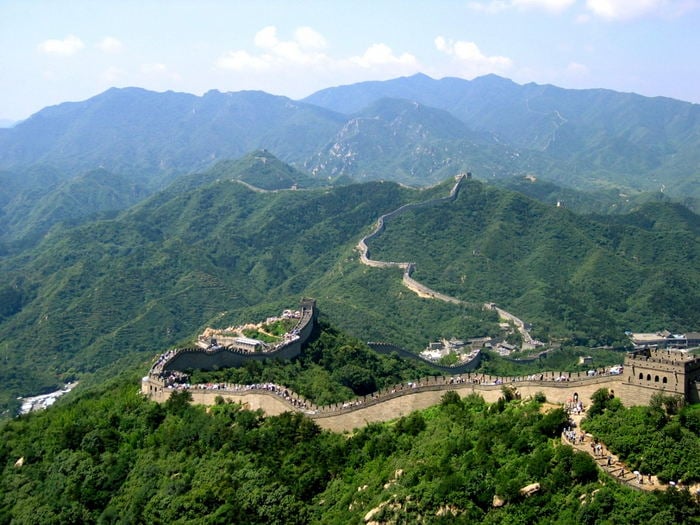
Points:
(664, 380)
(648, 377)
(641, 376)
(656, 379)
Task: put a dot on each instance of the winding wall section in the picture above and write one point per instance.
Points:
(389, 403)
(218, 357)
(408, 267)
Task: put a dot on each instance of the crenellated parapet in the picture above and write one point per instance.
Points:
(214, 357)
(669, 371)
(387, 403)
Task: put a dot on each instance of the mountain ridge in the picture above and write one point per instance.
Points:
(592, 138)
(208, 249)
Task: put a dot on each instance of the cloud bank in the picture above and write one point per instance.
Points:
(67, 47)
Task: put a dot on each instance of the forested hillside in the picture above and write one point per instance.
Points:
(107, 455)
(132, 221)
(591, 138)
(584, 277)
(210, 251)
(414, 130)
(216, 254)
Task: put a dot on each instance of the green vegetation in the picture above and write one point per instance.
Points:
(280, 327)
(101, 269)
(333, 368)
(582, 278)
(254, 333)
(209, 251)
(663, 438)
(562, 359)
(107, 455)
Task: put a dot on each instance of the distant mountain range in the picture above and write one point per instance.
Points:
(413, 130)
(214, 248)
(131, 220)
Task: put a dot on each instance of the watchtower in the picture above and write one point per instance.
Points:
(652, 370)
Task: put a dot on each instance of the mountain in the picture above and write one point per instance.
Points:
(570, 275)
(134, 131)
(415, 130)
(262, 170)
(212, 250)
(30, 212)
(406, 142)
(74, 160)
(602, 137)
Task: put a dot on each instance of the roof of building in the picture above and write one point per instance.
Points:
(248, 341)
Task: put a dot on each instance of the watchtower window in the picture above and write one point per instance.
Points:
(656, 379)
(641, 376)
(664, 380)
(648, 377)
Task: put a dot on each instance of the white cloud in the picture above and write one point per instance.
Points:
(497, 6)
(309, 39)
(266, 38)
(110, 44)
(628, 9)
(66, 47)
(303, 49)
(380, 55)
(471, 57)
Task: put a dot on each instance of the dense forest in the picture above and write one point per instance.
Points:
(110, 456)
(126, 230)
(210, 251)
(106, 454)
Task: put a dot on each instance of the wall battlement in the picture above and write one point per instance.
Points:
(646, 372)
(650, 371)
(179, 360)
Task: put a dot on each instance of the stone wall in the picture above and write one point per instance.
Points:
(393, 402)
(213, 359)
(200, 359)
(651, 371)
(406, 403)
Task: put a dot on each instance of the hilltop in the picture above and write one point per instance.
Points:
(414, 130)
(212, 251)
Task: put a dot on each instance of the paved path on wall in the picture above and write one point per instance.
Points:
(614, 467)
(391, 402)
(408, 267)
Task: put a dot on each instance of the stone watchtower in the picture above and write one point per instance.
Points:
(649, 371)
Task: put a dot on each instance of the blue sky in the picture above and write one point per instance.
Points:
(54, 50)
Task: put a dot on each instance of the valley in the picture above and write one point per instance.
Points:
(144, 237)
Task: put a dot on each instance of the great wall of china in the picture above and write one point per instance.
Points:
(646, 372)
(167, 376)
(409, 267)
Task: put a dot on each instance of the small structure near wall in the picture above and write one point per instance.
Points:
(664, 339)
(172, 365)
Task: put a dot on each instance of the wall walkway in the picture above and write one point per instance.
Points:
(408, 267)
(389, 403)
